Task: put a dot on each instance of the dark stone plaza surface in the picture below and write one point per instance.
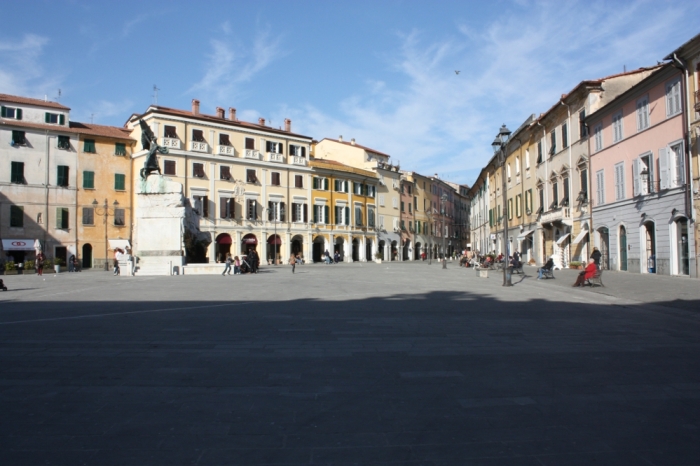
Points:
(367, 364)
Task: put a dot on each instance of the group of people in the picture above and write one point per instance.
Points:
(591, 269)
(328, 259)
(247, 264)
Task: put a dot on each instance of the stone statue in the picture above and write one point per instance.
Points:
(149, 141)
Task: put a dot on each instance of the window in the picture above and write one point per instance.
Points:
(508, 171)
(62, 176)
(370, 216)
(539, 152)
(510, 209)
(225, 172)
(553, 142)
(342, 215)
(54, 118)
(600, 187)
(320, 183)
(565, 200)
(358, 216)
(88, 216)
(642, 113)
(119, 182)
(415, 203)
(619, 181)
(402, 206)
(197, 135)
(62, 218)
(583, 195)
(519, 205)
(88, 180)
(564, 136)
(555, 195)
(16, 216)
(275, 147)
(275, 178)
(381, 221)
(11, 113)
(678, 169)
(540, 192)
(582, 128)
(371, 191)
(201, 205)
(395, 202)
(527, 159)
(250, 176)
(250, 143)
(299, 213)
(225, 205)
(64, 142)
(341, 186)
(617, 126)
(39, 219)
(275, 211)
(643, 175)
(409, 208)
(18, 138)
(169, 167)
(17, 173)
(298, 151)
(224, 140)
(119, 217)
(671, 166)
(598, 136)
(298, 181)
(198, 170)
(528, 201)
(673, 98)
(89, 146)
(321, 214)
(357, 188)
(119, 148)
(517, 166)
(170, 132)
(381, 200)
(252, 209)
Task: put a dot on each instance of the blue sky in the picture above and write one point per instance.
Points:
(382, 72)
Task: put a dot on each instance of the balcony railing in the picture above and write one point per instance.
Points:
(198, 146)
(252, 154)
(172, 143)
(274, 157)
(296, 160)
(225, 150)
(555, 215)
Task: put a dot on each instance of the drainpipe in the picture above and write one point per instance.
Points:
(46, 186)
(546, 164)
(571, 169)
(689, 211)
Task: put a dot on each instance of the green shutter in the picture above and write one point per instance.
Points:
(120, 148)
(59, 218)
(326, 214)
(47, 118)
(3, 111)
(18, 113)
(88, 180)
(347, 215)
(490, 217)
(314, 181)
(326, 184)
(61, 119)
(119, 182)
(315, 214)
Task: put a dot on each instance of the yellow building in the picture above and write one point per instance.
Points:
(344, 211)
(104, 213)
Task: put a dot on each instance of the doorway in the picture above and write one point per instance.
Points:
(682, 252)
(355, 250)
(604, 248)
(650, 246)
(623, 248)
(87, 256)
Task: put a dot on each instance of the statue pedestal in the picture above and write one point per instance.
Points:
(160, 227)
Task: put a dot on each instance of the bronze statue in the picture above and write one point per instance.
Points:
(149, 141)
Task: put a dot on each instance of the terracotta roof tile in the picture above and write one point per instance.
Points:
(74, 127)
(368, 149)
(29, 101)
(333, 165)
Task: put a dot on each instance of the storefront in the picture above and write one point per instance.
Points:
(19, 250)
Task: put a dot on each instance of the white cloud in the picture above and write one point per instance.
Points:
(102, 110)
(132, 23)
(21, 69)
(519, 65)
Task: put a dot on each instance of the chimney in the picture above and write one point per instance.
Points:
(352, 141)
(261, 121)
(436, 176)
(232, 114)
(195, 106)
(340, 138)
(220, 112)
(288, 125)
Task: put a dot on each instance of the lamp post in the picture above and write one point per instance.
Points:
(500, 145)
(273, 213)
(105, 214)
(430, 238)
(443, 199)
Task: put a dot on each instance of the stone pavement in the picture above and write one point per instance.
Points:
(399, 363)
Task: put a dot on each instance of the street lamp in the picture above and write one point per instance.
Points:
(273, 213)
(443, 199)
(500, 145)
(105, 214)
(430, 238)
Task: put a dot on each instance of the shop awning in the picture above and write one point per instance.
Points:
(21, 244)
(580, 236)
(250, 240)
(525, 234)
(119, 244)
(273, 240)
(562, 239)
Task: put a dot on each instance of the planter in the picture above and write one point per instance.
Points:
(29, 271)
(57, 268)
(378, 261)
(11, 272)
(482, 272)
(576, 267)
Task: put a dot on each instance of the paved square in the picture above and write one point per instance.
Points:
(400, 363)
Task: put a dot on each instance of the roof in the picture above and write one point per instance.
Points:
(74, 127)
(337, 166)
(680, 50)
(213, 119)
(29, 101)
(351, 144)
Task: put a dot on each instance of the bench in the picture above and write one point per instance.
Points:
(596, 280)
(547, 273)
(518, 269)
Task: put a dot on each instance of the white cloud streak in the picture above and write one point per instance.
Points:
(21, 69)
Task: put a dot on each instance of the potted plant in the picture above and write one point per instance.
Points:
(575, 265)
(29, 267)
(10, 268)
(532, 261)
(57, 263)
(378, 257)
(47, 264)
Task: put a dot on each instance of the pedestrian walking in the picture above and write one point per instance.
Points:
(293, 262)
(253, 260)
(227, 268)
(39, 263)
(117, 254)
(71, 263)
(236, 265)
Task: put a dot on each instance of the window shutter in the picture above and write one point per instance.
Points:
(680, 165)
(270, 207)
(59, 218)
(282, 212)
(315, 214)
(18, 113)
(61, 119)
(326, 214)
(294, 212)
(47, 118)
(336, 215)
(3, 111)
(325, 184)
(306, 213)
(222, 207)
(303, 151)
(663, 168)
(635, 177)
(315, 182)
(347, 215)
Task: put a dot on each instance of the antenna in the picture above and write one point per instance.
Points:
(92, 118)
(58, 97)
(155, 94)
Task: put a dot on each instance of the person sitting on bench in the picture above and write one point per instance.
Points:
(547, 268)
(589, 272)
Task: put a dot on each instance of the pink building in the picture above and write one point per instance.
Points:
(638, 172)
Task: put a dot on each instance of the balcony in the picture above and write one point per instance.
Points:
(252, 154)
(556, 215)
(171, 143)
(225, 150)
(199, 146)
(274, 157)
(697, 101)
(296, 160)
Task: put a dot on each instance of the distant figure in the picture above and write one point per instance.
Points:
(39, 263)
(227, 268)
(589, 272)
(236, 266)
(546, 268)
(293, 262)
(71, 263)
(327, 257)
(117, 254)
(596, 255)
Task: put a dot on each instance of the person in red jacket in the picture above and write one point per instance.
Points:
(589, 272)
